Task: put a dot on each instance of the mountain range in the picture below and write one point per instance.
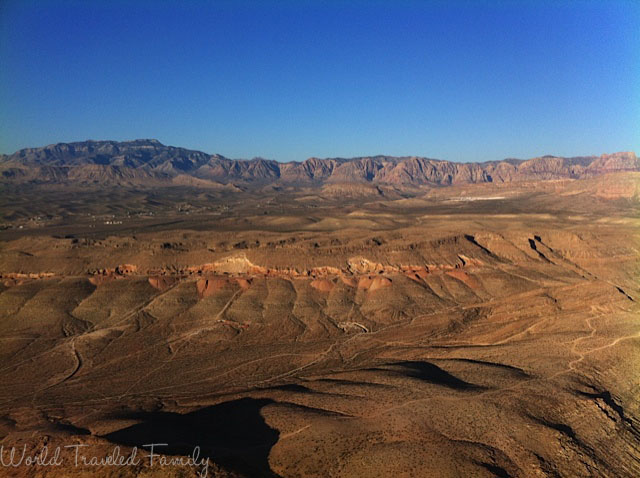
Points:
(147, 161)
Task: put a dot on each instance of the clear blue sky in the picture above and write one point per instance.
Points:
(463, 81)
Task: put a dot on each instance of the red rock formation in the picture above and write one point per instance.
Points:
(209, 286)
(163, 283)
(323, 285)
(379, 283)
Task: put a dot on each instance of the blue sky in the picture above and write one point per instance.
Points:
(463, 81)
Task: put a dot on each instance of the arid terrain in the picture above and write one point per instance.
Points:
(370, 317)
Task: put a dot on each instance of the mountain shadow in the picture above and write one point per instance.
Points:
(430, 373)
(232, 434)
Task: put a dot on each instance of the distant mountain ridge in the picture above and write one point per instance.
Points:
(147, 161)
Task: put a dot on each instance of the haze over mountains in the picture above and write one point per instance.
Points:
(147, 161)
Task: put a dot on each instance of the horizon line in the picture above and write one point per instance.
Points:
(255, 158)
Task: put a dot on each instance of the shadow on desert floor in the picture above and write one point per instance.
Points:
(232, 434)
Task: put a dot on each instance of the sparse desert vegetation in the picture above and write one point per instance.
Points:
(469, 330)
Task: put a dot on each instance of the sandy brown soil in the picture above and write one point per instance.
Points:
(473, 331)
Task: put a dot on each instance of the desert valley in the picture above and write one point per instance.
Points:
(363, 317)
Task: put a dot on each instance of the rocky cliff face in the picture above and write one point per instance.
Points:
(148, 161)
